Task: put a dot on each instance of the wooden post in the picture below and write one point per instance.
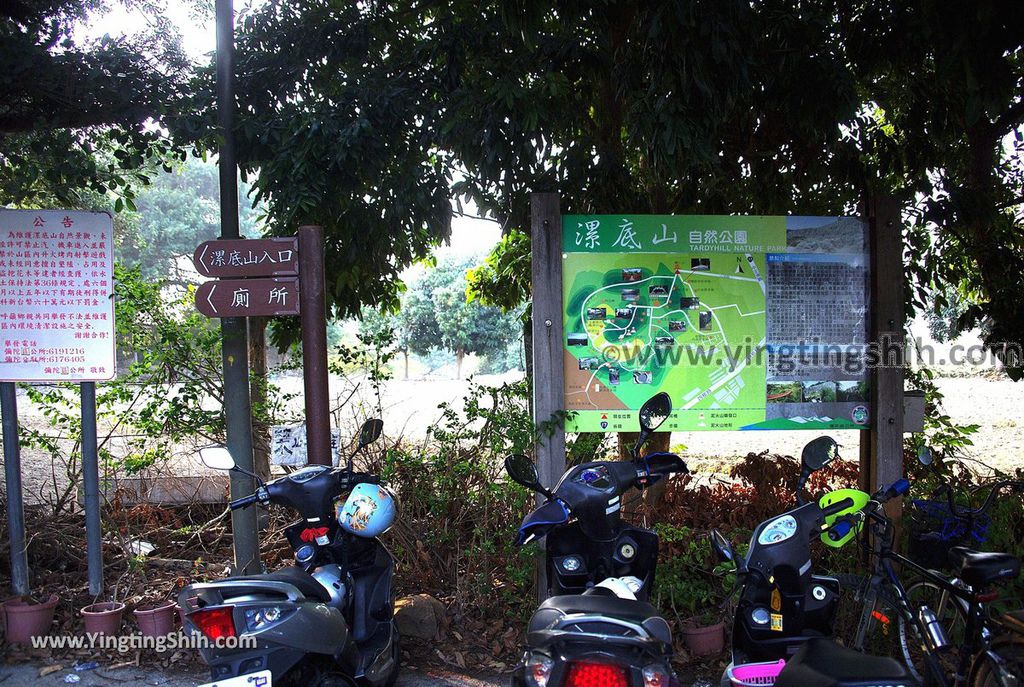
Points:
(882, 444)
(548, 342)
(313, 317)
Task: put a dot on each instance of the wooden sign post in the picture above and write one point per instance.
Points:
(255, 287)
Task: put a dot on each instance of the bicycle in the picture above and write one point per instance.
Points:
(943, 624)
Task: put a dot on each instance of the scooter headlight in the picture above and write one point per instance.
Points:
(655, 676)
(538, 670)
(261, 618)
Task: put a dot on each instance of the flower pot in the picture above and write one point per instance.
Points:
(103, 618)
(3, 613)
(704, 640)
(156, 620)
(26, 619)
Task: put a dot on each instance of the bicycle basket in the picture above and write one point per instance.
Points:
(935, 530)
(755, 674)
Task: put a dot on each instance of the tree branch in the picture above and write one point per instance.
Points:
(1013, 117)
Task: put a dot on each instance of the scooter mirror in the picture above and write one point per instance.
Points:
(924, 455)
(370, 431)
(722, 547)
(819, 453)
(655, 411)
(522, 471)
(217, 457)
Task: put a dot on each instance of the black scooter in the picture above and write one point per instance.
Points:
(326, 621)
(784, 611)
(597, 629)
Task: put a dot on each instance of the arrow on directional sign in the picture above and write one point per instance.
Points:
(248, 297)
(274, 257)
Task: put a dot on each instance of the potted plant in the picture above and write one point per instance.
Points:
(25, 617)
(693, 589)
(155, 618)
(704, 634)
(103, 617)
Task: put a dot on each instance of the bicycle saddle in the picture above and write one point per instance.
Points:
(979, 569)
(823, 663)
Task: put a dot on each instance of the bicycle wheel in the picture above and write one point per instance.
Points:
(1011, 650)
(912, 645)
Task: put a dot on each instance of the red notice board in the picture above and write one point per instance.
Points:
(56, 296)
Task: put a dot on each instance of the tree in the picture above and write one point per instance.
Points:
(715, 107)
(335, 134)
(436, 313)
(466, 326)
(373, 324)
(75, 113)
(175, 213)
(947, 125)
(779, 107)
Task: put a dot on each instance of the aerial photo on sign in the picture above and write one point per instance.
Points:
(56, 292)
(748, 322)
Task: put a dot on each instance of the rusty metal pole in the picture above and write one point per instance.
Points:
(313, 318)
(234, 330)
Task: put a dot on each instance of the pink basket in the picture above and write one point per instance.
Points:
(755, 674)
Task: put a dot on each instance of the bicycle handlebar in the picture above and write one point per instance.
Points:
(243, 502)
(967, 511)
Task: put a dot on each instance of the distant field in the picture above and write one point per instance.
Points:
(410, 407)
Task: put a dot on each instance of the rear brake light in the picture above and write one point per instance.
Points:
(215, 622)
(596, 675)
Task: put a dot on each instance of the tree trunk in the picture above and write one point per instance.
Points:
(258, 392)
(459, 355)
(405, 355)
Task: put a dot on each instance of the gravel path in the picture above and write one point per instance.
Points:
(28, 674)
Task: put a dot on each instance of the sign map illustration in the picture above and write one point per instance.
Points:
(735, 317)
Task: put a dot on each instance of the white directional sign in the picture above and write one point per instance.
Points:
(56, 296)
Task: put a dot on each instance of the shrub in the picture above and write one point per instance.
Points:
(459, 513)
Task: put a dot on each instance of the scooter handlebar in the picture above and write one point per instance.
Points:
(840, 529)
(663, 463)
(837, 507)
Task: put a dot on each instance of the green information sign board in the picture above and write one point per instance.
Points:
(747, 322)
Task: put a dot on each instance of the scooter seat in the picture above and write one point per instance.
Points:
(823, 663)
(637, 612)
(979, 569)
(296, 577)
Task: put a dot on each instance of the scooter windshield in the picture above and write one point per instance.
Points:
(542, 520)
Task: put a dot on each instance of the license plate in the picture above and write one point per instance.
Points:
(260, 679)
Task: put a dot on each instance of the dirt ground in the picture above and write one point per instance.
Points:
(410, 407)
